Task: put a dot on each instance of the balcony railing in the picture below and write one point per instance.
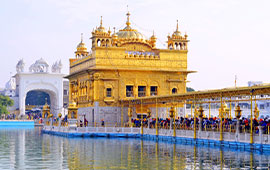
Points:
(141, 93)
(153, 93)
(129, 94)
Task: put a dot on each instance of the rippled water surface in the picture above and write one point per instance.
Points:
(28, 148)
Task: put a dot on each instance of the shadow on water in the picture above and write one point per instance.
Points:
(30, 149)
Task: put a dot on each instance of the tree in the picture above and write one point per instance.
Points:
(5, 102)
(189, 89)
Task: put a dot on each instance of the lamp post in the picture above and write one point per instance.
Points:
(201, 116)
(256, 112)
(226, 110)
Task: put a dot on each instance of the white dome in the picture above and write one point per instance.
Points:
(39, 66)
(41, 62)
(11, 84)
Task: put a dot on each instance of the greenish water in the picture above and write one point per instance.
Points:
(30, 149)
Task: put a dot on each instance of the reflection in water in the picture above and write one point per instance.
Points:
(29, 149)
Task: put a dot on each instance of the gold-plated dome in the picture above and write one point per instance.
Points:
(129, 33)
(81, 46)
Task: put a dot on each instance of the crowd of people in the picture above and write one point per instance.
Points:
(207, 123)
(9, 116)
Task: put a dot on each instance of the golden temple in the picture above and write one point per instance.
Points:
(124, 65)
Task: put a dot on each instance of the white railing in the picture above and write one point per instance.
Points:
(209, 135)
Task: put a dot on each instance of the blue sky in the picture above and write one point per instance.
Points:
(227, 37)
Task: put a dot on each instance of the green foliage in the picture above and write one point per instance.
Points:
(189, 89)
(5, 102)
(3, 110)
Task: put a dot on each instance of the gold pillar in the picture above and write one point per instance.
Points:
(251, 121)
(96, 88)
(221, 116)
(231, 108)
(156, 117)
(194, 121)
(191, 109)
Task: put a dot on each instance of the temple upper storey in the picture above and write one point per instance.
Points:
(128, 49)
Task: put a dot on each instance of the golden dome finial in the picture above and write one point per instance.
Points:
(100, 21)
(177, 25)
(177, 32)
(153, 36)
(114, 30)
(81, 37)
(128, 23)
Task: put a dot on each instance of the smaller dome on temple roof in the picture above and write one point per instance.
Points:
(39, 66)
(41, 61)
(114, 35)
(81, 46)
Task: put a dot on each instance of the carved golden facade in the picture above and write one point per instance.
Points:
(125, 64)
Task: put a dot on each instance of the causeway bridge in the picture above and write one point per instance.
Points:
(235, 136)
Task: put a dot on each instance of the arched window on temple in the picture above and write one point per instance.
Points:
(174, 90)
(108, 92)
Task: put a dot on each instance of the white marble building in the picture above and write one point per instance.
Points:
(38, 78)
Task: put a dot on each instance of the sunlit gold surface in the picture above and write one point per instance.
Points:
(124, 58)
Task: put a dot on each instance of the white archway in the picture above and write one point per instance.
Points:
(49, 83)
